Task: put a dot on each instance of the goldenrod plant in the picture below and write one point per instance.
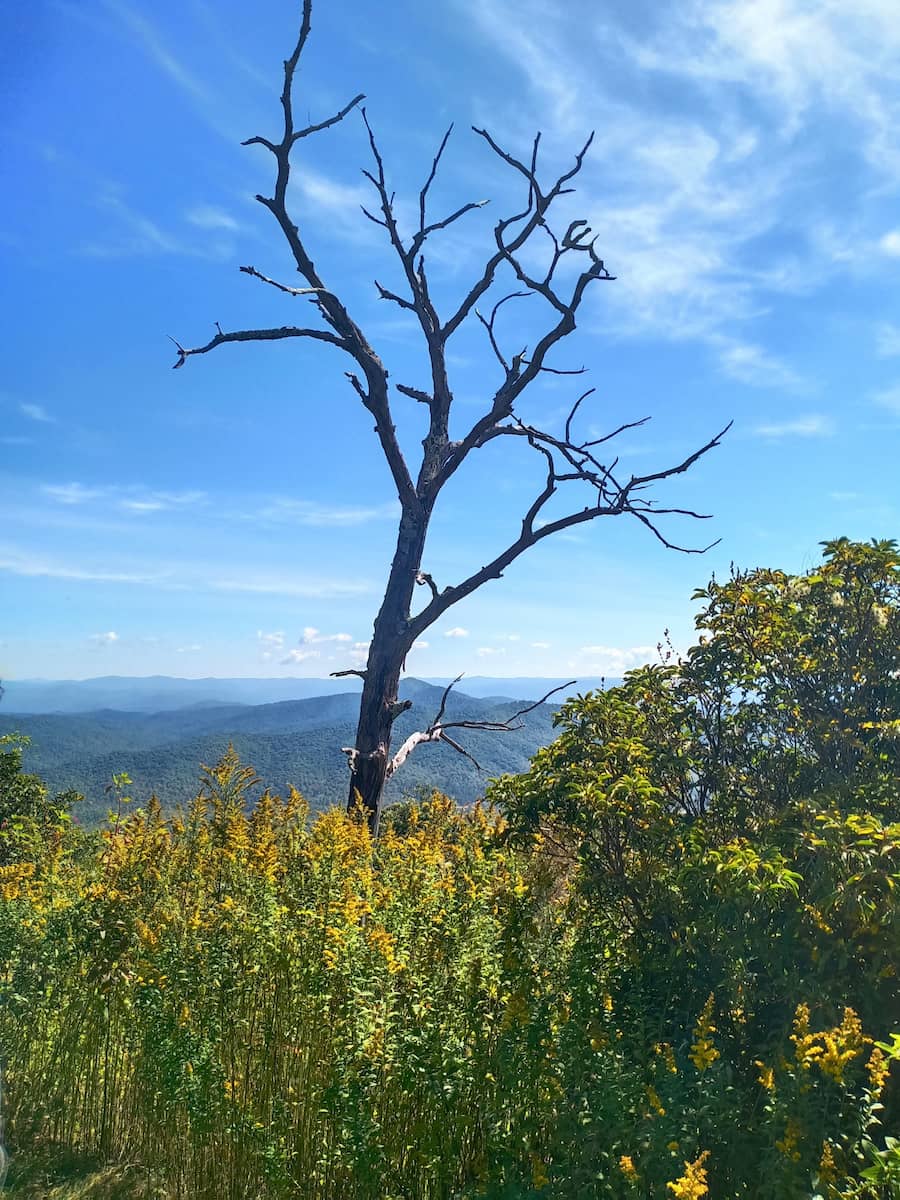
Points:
(629, 976)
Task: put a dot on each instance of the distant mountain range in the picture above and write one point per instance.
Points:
(161, 743)
(161, 693)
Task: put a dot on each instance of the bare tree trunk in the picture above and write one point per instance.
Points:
(391, 640)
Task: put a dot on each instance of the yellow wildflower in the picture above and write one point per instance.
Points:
(703, 1051)
(665, 1051)
(692, 1184)
(878, 1068)
(828, 1171)
(789, 1143)
(831, 1050)
(655, 1102)
(766, 1075)
(627, 1167)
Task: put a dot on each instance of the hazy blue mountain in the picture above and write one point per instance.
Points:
(157, 693)
(162, 693)
(288, 742)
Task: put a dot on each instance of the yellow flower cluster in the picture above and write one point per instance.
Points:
(703, 1051)
(789, 1144)
(878, 1068)
(627, 1167)
(12, 877)
(667, 1054)
(766, 1075)
(692, 1184)
(830, 1050)
(828, 1172)
(655, 1102)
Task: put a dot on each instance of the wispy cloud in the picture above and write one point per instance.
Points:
(456, 632)
(207, 216)
(36, 412)
(612, 660)
(312, 513)
(752, 364)
(191, 577)
(130, 233)
(133, 498)
(304, 587)
(151, 42)
(811, 426)
(298, 656)
(699, 215)
(103, 639)
(314, 637)
(30, 565)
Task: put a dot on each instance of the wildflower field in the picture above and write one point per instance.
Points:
(663, 963)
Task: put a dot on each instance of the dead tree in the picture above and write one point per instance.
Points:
(567, 460)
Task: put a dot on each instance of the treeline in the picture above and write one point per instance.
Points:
(661, 963)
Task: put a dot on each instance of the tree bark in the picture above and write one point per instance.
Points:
(391, 641)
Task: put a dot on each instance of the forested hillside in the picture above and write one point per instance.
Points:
(291, 743)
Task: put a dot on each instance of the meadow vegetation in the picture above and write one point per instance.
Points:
(662, 963)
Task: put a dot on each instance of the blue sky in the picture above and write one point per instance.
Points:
(235, 517)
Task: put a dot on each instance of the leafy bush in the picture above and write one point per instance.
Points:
(664, 965)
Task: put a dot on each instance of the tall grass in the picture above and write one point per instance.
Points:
(263, 1006)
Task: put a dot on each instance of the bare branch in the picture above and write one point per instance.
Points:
(437, 730)
(425, 580)
(414, 393)
(290, 291)
(348, 671)
(575, 407)
(257, 335)
(320, 125)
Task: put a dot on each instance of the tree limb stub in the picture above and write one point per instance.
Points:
(437, 731)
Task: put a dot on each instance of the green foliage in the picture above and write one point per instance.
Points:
(669, 969)
(28, 814)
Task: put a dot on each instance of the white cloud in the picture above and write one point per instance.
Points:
(613, 660)
(890, 243)
(257, 583)
(730, 157)
(103, 639)
(71, 493)
(312, 637)
(456, 632)
(188, 649)
(36, 412)
(180, 577)
(813, 425)
(752, 364)
(308, 512)
(359, 652)
(540, 645)
(207, 216)
(420, 645)
(298, 656)
(30, 565)
(274, 640)
(132, 499)
(487, 651)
